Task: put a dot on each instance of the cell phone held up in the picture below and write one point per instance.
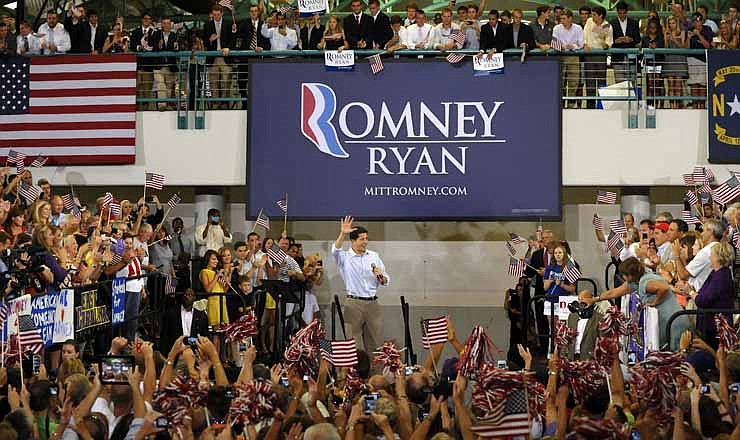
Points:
(369, 402)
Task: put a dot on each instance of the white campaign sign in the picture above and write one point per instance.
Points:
(306, 8)
(64, 326)
(336, 60)
(483, 64)
(561, 307)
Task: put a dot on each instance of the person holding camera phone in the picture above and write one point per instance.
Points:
(214, 234)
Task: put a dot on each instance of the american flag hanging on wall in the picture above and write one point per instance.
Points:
(73, 109)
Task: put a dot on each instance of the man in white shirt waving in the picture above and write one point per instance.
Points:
(363, 272)
(281, 37)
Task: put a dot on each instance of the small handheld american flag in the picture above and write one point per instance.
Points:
(508, 419)
(688, 179)
(455, 58)
(284, 9)
(340, 353)
(75, 211)
(699, 175)
(691, 197)
(115, 210)
(511, 248)
(29, 336)
(15, 156)
(154, 181)
(614, 242)
(556, 44)
(376, 64)
(107, 199)
(170, 284)
(433, 331)
(40, 161)
(29, 192)
(618, 226)
(517, 239)
(571, 272)
(276, 254)
(227, 4)
(516, 267)
(727, 192)
(174, 201)
(263, 221)
(607, 197)
(457, 36)
(283, 205)
(689, 218)
(68, 201)
(598, 223)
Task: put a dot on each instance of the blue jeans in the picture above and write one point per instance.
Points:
(133, 300)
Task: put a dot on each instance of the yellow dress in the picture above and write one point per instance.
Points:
(213, 301)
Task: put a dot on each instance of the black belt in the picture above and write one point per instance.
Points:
(362, 298)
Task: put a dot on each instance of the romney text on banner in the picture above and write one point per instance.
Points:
(427, 140)
(73, 109)
(723, 83)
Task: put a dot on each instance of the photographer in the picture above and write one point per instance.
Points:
(214, 234)
(584, 318)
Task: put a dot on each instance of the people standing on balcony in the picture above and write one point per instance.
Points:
(653, 39)
(702, 9)
(333, 38)
(357, 27)
(597, 34)
(441, 33)
(280, 35)
(725, 38)
(493, 33)
(418, 35)
(542, 28)
(399, 35)
(626, 35)
(97, 33)
(76, 24)
(680, 13)
(218, 36)
(410, 19)
(56, 38)
(141, 41)
(470, 26)
(165, 40)
(570, 36)
(700, 37)
(584, 13)
(251, 38)
(518, 33)
(675, 67)
(116, 41)
(27, 42)
(380, 27)
(311, 33)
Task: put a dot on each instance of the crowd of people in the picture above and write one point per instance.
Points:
(210, 370)
(77, 30)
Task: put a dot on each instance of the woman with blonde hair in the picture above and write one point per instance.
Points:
(333, 38)
(725, 39)
(675, 67)
(717, 292)
(41, 213)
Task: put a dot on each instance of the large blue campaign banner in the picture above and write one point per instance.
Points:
(423, 139)
(723, 75)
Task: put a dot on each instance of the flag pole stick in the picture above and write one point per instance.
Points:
(18, 336)
(254, 225)
(4, 342)
(110, 207)
(159, 226)
(285, 218)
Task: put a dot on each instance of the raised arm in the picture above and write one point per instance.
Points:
(345, 228)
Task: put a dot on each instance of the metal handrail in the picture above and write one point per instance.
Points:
(695, 312)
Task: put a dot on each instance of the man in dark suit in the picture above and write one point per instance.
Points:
(76, 24)
(250, 38)
(519, 33)
(357, 27)
(380, 27)
(165, 40)
(541, 258)
(311, 33)
(626, 34)
(218, 35)
(175, 316)
(493, 33)
(141, 41)
(98, 33)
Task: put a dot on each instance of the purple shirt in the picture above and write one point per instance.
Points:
(716, 293)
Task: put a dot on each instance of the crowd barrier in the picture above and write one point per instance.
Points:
(696, 312)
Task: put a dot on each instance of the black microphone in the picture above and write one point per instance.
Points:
(378, 276)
